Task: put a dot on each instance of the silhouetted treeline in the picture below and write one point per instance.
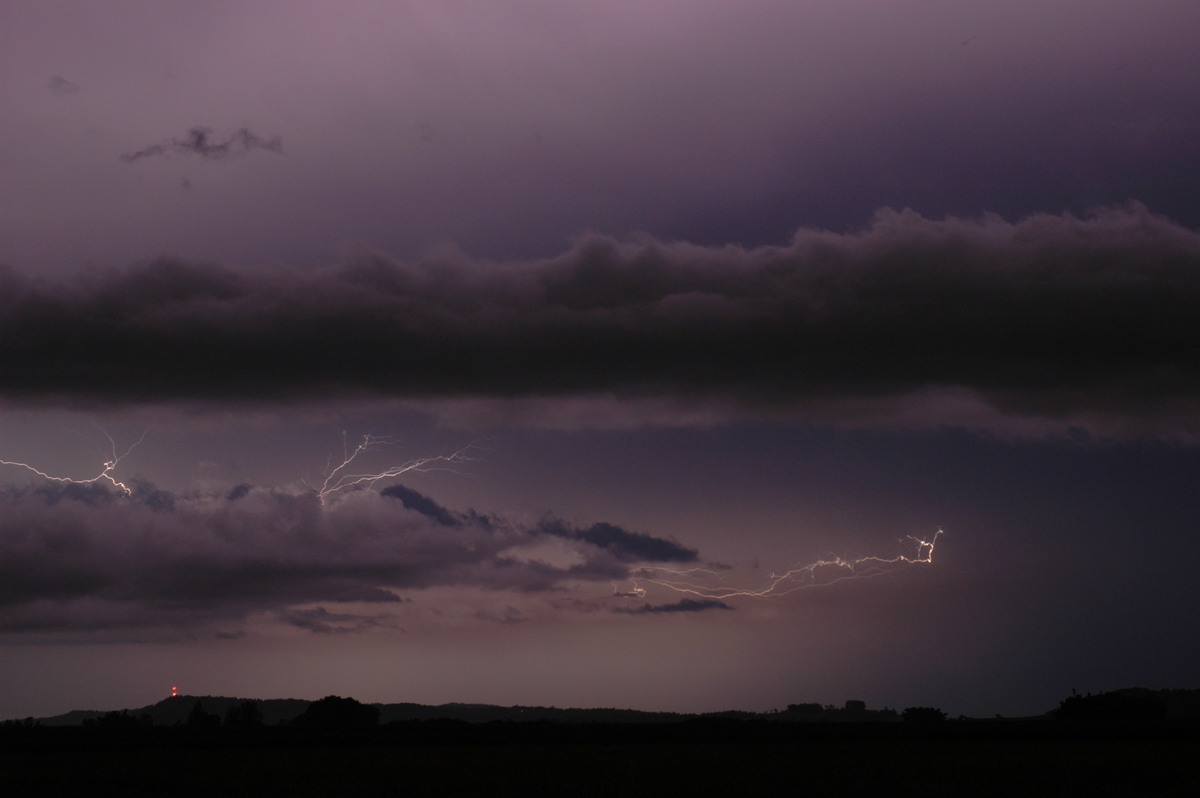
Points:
(1131, 704)
(923, 715)
(198, 718)
(246, 715)
(176, 710)
(698, 730)
(854, 711)
(209, 714)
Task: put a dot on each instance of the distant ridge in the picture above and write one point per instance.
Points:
(1182, 704)
(175, 710)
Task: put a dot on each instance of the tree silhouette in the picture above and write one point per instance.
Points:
(335, 712)
(199, 719)
(246, 715)
(112, 721)
(1117, 705)
(923, 715)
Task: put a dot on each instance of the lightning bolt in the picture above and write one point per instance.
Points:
(700, 582)
(105, 474)
(338, 478)
(706, 583)
(344, 476)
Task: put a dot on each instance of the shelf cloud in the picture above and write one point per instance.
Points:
(1052, 316)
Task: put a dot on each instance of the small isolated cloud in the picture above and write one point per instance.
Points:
(200, 141)
(83, 558)
(683, 605)
(61, 86)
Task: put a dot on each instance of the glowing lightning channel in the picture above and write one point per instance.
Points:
(105, 474)
(816, 574)
(340, 478)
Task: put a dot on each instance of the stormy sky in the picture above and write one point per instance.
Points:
(616, 354)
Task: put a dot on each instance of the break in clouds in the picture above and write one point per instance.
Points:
(1053, 318)
(89, 559)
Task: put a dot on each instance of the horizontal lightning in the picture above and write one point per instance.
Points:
(701, 582)
(341, 477)
(105, 474)
(706, 583)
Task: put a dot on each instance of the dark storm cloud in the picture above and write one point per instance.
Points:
(419, 503)
(624, 545)
(621, 544)
(76, 558)
(200, 141)
(683, 605)
(1047, 317)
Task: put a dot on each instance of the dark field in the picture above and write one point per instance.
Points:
(963, 758)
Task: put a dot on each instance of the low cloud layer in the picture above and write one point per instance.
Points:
(84, 558)
(1052, 317)
(200, 141)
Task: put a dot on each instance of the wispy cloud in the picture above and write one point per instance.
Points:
(61, 86)
(321, 621)
(200, 141)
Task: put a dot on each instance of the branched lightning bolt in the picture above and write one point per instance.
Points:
(105, 474)
(337, 478)
(705, 583)
(341, 478)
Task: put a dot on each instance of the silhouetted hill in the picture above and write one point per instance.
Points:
(1136, 703)
(175, 709)
(486, 713)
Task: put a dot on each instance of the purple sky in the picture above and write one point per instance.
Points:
(736, 287)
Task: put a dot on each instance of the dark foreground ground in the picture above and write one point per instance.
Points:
(728, 758)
